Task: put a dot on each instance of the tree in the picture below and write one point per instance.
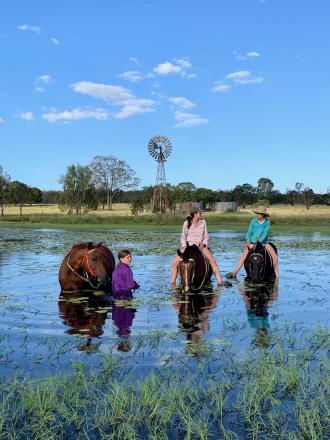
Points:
(308, 197)
(4, 188)
(78, 189)
(186, 190)
(19, 194)
(264, 188)
(35, 195)
(111, 175)
(244, 194)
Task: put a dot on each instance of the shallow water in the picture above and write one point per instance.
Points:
(41, 334)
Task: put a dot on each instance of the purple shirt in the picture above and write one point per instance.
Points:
(122, 279)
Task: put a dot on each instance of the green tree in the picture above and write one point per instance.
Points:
(308, 197)
(264, 188)
(112, 175)
(78, 190)
(19, 194)
(4, 188)
(35, 195)
(244, 194)
(185, 191)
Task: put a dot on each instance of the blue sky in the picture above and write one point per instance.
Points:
(241, 88)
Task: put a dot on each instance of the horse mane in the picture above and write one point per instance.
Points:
(85, 245)
(189, 252)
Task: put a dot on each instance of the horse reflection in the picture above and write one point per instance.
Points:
(257, 300)
(84, 316)
(193, 314)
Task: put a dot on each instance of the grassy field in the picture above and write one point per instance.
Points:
(283, 217)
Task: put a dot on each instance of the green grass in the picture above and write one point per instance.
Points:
(230, 221)
(270, 394)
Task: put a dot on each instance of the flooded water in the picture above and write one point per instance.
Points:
(42, 333)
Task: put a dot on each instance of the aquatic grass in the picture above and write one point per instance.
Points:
(271, 394)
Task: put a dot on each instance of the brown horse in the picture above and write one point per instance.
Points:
(87, 266)
(194, 269)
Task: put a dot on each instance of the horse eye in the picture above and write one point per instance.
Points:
(94, 259)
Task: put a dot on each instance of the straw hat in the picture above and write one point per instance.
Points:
(261, 210)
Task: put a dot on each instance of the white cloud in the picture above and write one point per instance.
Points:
(219, 87)
(55, 41)
(184, 63)
(39, 89)
(26, 116)
(185, 119)
(252, 54)
(131, 75)
(182, 102)
(192, 75)
(115, 95)
(25, 27)
(43, 79)
(244, 77)
(167, 68)
(1, 121)
(76, 115)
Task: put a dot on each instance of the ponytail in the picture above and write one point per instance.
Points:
(191, 216)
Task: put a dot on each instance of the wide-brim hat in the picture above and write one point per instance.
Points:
(261, 210)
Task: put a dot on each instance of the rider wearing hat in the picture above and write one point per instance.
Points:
(258, 231)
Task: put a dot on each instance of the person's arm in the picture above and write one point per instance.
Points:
(249, 232)
(183, 240)
(205, 240)
(264, 231)
(129, 281)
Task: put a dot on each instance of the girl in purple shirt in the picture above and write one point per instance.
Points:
(122, 277)
(194, 231)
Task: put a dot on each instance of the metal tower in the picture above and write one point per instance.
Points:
(160, 148)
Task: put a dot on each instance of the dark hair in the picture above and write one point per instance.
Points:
(191, 216)
(123, 253)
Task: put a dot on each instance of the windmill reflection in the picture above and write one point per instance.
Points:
(257, 300)
(193, 314)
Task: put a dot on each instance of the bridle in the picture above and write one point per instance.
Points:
(193, 274)
(88, 271)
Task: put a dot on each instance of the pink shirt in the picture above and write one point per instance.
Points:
(196, 234)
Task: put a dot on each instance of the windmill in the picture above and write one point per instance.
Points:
(160, 148)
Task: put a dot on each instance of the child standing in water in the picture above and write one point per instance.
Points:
(122, 278)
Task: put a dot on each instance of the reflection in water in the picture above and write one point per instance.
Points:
(84, 315)
(122, 316)
(193, 314)
(257, 299)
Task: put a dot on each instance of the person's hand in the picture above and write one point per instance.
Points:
(250, 245)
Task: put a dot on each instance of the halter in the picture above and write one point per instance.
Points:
(263, 267)
(88, 270)
(193, 275)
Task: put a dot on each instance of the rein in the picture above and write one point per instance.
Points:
(193, 274)
(87, 270)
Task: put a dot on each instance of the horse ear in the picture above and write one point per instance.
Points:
(98, 244)
(179, 253)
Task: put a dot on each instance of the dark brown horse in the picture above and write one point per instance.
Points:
(87, 266)
(259, 264)
(194, 269)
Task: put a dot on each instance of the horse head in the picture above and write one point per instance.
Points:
(186, 267)
(258, 264)
(87, 266)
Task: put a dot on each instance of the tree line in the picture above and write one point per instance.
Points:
(108, 179)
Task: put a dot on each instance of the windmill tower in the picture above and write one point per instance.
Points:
(160, 148)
